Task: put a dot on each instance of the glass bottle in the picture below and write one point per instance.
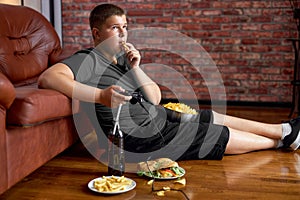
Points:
(116, 157)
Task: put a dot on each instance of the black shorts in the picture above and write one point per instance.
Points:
(194, 140)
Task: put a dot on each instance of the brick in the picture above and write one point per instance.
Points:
(223, 19)
(164, 20)
(191, 27)
(230, 56)
(201, 5)
(145, 13)
(240, 19)
(250, 27)
(221, 4)
(261, 19)
(270, 41)
(270, 70)
(182, 20)
(144, 20)
(191, 13)
(211, 12)
(242, 4)
(260, 48)
(211, 27)
(252, 56)
(258, 91)
(221, 34)
(270, 27)
(248, 41)
(201, 20)
(241, 34)
(174, 13)
(232, 12)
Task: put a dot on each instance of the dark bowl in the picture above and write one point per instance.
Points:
(175, 116)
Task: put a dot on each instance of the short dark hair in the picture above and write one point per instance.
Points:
(102, 12)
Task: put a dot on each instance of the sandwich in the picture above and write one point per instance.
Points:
(160, 168)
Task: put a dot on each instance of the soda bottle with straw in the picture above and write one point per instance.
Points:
(116, 157)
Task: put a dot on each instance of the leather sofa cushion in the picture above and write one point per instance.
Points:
(34, 106)
(29, 44)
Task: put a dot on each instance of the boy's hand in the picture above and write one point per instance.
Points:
(132, 54)
(112, 98)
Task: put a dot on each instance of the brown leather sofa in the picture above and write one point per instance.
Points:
(35, 124)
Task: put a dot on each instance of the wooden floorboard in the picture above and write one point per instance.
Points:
(271, 174)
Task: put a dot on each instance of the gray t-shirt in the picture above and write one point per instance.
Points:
(92, 68)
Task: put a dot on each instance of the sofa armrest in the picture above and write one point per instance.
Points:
(8, 93)
(66, 53)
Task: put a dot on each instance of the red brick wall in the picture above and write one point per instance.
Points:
(247, 40)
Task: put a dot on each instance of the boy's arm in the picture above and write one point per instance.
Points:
(149, 88)
(60, 77)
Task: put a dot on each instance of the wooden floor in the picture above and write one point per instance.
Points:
(271, 174)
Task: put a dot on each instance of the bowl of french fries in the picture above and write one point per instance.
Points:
(111, 184)
(180, 112)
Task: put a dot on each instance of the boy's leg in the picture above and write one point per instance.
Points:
(273, 131)
(243, 142)
(288, 132)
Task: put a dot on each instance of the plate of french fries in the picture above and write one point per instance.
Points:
(111, 184)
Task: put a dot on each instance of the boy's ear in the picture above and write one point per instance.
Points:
(95, 32)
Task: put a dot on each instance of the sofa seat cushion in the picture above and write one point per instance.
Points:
(34, 106)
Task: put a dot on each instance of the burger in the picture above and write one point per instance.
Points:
(160, 168)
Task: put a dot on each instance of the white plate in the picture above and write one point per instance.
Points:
(168, 178)
(128, 188)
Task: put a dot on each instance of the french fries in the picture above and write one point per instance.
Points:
(180, 107)
(126, 48)
(111, 184)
